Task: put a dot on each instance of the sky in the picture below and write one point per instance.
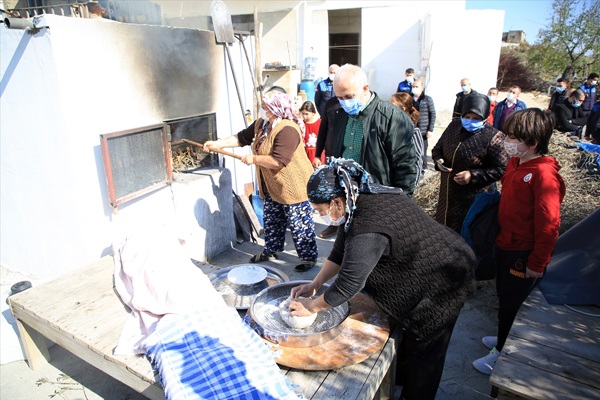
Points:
(520, 15)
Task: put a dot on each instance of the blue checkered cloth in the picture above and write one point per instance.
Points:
(214, 355)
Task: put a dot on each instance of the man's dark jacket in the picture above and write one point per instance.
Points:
(569, 118)
(388, 152)
(427, 114)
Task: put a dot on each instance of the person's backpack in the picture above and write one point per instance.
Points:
(480, 228)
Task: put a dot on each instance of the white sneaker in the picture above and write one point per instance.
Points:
(490, 341)
(486, 364)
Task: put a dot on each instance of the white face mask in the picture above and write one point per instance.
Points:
(417, 91)
(331, 76)
(410, 79)
(327, 219)
(510, 96)
(263, 114)
(512, 149)
(593, 83)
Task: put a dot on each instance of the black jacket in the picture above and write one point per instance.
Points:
(426, 110)
(388, 152)
(325, 135)
(568, 118)
(460, 98)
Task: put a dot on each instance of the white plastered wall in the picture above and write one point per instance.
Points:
(62, 88)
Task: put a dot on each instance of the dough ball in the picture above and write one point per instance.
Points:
(294, 321)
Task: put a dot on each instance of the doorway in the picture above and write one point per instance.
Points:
(344, 36)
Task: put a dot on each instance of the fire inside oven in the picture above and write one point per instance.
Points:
(187, 134)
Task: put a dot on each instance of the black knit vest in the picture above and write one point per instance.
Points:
(430, 271)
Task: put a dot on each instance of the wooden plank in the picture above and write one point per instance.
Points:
(578, 369)
(309, 382)
(557, 327)
(354, 382)
(128, 377)
(34, 345)
(529, 382)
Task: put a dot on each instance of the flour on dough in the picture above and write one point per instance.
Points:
(293, 320)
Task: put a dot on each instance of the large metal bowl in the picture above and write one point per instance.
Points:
(265, 312)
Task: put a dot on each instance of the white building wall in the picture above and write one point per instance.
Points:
(469, 49)
(63, 87)
(390, 48)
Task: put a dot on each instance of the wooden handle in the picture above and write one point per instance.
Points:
(225, 152)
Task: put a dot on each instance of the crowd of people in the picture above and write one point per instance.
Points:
(356, 159)
(577, 109)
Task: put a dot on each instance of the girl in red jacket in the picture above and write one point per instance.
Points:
(528, 217)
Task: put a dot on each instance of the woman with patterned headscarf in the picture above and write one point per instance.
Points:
(418, 271)
(282, 170)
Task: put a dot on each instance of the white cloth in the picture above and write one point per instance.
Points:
(154, 277)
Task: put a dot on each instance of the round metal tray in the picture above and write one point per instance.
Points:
(241, 296)
(265, 312)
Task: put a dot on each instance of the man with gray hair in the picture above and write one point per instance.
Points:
(373, 132)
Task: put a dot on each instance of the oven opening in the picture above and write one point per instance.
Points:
(186, 134)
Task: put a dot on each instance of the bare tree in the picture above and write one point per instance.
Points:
(573, 33)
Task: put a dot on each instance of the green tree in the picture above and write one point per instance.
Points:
(571, 42)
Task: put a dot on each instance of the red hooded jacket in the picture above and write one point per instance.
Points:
(529, 210)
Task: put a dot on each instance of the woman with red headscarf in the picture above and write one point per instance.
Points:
(282, 171)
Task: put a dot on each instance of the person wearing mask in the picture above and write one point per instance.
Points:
(528, 219)
(373, 132)
(471, 158)
(492, 95)
(589, 87)
(465, 90)
(379, 249)
(282, 170)
(424, 104)
(508, 106)
(324, 90)
(406, 85)
(569, 116)
(560, 93)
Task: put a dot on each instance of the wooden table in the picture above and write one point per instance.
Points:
(551, 353)
(82, 313)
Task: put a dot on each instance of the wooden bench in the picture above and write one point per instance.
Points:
(82, 313)
(551, 353)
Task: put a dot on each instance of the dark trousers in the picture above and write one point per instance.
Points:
(512, 287)
(424, 153)
(420, 365)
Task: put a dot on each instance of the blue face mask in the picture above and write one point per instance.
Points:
(560, 89)
(465, 89)
(575, 104)
(351, 106)
(471, 125)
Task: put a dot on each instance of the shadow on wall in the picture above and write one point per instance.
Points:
(218, 224)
